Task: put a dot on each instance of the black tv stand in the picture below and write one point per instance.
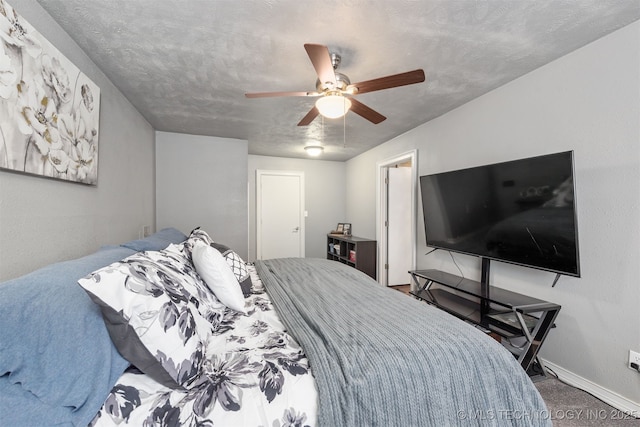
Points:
(494, 310)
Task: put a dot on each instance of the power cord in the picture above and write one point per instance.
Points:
(454, 261)
(451, 255)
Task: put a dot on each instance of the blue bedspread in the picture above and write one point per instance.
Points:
(57, 361)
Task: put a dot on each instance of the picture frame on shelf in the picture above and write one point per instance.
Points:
(346, 229)
(340, 228)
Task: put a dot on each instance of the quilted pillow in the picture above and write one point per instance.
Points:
(217, 274)
(149, 302)
(238, 266)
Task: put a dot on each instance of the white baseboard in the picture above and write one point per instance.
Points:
(619, 402)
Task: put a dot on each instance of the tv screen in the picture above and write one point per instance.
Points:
(521, 212)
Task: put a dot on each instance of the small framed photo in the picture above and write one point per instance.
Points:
(340, 228)
(346, 229)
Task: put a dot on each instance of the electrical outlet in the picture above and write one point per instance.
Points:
(634, 357)
(146, 230)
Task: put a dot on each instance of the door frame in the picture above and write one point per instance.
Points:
(382, 201)
(259, 174)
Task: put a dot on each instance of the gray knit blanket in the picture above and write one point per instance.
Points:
(381, 358)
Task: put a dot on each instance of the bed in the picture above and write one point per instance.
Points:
(177, 330)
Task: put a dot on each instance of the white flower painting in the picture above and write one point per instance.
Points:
(49, 110)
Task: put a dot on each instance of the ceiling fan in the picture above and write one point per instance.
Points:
(335, 90)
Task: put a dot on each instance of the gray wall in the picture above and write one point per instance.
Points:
(324, 198)
(587, 101)
(210, 182)
(42, 220)
(202, 181)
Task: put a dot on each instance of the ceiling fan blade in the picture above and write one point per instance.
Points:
(273, 94)
(362, 110)
(311, 115)
(402, 79)
(321, 60)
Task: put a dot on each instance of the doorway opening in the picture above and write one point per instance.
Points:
(396, 218)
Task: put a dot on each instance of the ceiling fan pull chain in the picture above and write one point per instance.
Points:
(344, 131)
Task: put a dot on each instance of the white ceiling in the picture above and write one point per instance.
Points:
(186, 64)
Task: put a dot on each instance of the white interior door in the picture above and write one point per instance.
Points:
(399, 237)
(280, 214)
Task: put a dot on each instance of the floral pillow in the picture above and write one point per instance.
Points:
(195, 236)
(209, 306)
(152, 305)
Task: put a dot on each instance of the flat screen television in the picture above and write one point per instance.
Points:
(521, 212)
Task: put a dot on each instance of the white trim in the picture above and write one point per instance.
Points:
(248, 218)
(259, 174)
(381, 203)
(617, 401)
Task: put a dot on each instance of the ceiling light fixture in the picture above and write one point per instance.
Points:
(333, 105)
(314, 150)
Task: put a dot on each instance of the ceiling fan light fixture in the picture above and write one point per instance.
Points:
(333, 105)
(314, 150)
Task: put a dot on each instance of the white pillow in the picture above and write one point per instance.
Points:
(213, 268)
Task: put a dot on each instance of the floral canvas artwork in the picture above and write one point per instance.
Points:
(49, 110)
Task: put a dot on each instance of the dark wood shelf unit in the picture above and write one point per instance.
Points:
(494, 310)
(357, 252)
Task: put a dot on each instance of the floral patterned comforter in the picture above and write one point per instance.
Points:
(258, 376)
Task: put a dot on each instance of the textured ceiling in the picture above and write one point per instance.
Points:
(186, 64)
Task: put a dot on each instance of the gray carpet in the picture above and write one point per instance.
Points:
(571, 407)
